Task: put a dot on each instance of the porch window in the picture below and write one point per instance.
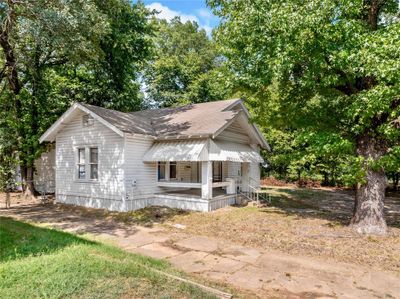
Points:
(172, 170)
(94, 163)
(81, 164)
(161, 171)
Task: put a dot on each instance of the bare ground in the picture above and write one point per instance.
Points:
(309, 222)
(299, 246)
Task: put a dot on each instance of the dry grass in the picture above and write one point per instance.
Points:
(145, 217)
(307, 222)
(303, 222)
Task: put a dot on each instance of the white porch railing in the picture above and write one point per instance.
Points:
(178, 184)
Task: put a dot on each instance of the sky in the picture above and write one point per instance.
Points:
(195, 10)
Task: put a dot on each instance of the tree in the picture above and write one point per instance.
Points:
(8, 159)
(335, 66)
(36, 36)
(186, 67)
(58, 52)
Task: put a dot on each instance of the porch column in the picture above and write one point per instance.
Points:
(206, 180)
(245, 176)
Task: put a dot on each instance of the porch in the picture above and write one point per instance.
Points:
(203, 169)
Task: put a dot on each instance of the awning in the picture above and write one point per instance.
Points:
(234, 152)
(202, 150)
(186, 150)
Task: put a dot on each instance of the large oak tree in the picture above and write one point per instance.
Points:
(334, 68)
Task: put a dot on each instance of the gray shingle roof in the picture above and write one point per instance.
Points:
(185, 121)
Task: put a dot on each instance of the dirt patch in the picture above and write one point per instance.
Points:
(304, 222)
(17, 199)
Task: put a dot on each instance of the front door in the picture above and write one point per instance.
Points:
(217, 171)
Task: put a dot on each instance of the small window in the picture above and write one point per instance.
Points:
(94, 163)
(81, 164)
(172, 170)
(161, 171)
(87, 120)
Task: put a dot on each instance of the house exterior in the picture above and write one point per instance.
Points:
(193, 157)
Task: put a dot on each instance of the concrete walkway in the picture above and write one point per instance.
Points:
(267, 274)
(261, 272)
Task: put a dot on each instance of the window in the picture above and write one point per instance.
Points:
(172, 170)
(217, 171)
(161, 171)
(81, 164)
(94, 163)
(87, 120)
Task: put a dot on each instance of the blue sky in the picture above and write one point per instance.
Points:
(195, 10)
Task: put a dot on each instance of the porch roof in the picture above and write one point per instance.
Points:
(183, 150)
(201, 150)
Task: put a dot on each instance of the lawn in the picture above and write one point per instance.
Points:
(304, 222)
(37, 262)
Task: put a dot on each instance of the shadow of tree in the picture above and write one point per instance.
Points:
(81, 220)
(19, 239)
(334, 206)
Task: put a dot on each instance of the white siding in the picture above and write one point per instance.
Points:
(144, 173)
(45, 167)
(109, 190)
(184, 171)
(235, 133)
(45, 173)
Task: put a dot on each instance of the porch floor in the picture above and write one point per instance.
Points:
(196, 193)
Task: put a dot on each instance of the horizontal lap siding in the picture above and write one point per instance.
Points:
(145, 173)
(45, 167)
(110, 185)
(184, 171)
(255, 172)
(234, 133)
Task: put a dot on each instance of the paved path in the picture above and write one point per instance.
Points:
(261, 272)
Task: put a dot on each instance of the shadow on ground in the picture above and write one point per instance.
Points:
(82, 220)
(335, 206)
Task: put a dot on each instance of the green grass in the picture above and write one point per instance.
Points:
(37, 262)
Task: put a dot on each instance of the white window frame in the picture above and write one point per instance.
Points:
(79, 164)
(87, 164)
(92, 163)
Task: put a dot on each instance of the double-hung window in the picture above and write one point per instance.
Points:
(81, 164)
(87, 163)
(94, 163)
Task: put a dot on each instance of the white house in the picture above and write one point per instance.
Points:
(192, 157)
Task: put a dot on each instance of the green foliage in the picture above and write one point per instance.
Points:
(44, 263)
(88, 51)
(8, 149)
(323, 68)
(186, 67)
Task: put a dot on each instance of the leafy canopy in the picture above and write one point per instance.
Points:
(186, 67)
(323, 66)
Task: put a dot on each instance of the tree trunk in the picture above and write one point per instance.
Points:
(27, 181)
(396, 178)
(370, 195)
(8, 200)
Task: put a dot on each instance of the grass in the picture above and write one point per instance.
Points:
(303, 222)
(145, 217)
(37, 262)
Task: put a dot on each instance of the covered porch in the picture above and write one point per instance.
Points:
(202, 169)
